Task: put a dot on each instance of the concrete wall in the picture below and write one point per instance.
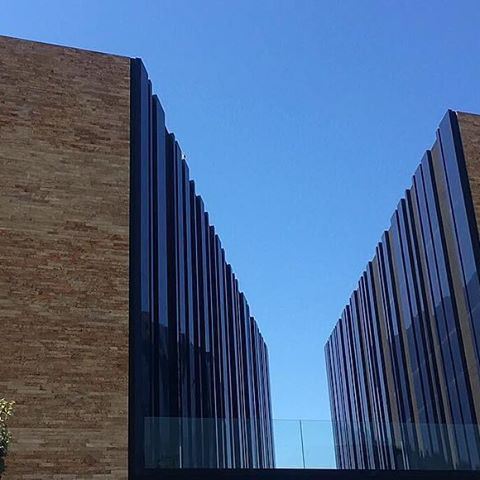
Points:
(64, 253)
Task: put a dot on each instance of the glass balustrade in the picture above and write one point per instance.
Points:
(233, 443)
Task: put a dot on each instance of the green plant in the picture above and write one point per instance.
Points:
(6, 411)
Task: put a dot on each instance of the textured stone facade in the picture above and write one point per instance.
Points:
(64, 253)
(469, 125)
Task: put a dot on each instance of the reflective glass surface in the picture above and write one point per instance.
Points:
(403, 358)
(195, 349)
(299, 443)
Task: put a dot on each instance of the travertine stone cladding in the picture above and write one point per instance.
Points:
(64, 253)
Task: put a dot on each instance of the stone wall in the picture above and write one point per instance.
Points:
(64, 252)
(469, 125)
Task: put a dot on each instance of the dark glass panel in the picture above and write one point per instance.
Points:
(141, 315)
(160, 275)
(461, 404)
(462, 209)
(196, 354)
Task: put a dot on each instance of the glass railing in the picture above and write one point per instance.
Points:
(233, 443)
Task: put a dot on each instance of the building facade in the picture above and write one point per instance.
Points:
(126, 341)
(403, 361)
(195, 342)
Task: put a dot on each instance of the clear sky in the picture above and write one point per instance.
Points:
(302, 121)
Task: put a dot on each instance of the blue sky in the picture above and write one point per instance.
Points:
(302, 121)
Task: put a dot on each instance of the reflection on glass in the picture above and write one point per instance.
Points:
(302, 444)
